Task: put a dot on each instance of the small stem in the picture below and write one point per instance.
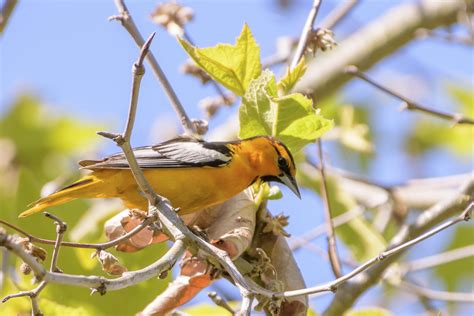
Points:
(308, 27)
(332, 246)
(61, 228)
(219, 301)
(456, 118)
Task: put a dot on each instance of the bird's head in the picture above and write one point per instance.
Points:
(272, 161)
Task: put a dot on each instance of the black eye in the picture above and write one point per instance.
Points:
(282, 163)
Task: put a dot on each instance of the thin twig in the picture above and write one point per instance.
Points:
(61, 228)
(246, 305)
(308, 27)
(127, 22)
(32, 294)
(6, 12)
(331, 236)
(456, 118)
(219, 301)
(332, 286)
(100, 246)
(438, 259)
(435, 294)
(336, 15)
(332, 248)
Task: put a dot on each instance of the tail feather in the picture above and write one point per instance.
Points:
(79, 189)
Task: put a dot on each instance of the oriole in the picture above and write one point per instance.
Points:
(192, 174)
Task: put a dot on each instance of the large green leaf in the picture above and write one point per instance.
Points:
(290, 118)
(234, 66)
(358, 235)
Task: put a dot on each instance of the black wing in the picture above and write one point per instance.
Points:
(176, 153)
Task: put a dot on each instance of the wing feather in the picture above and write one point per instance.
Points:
(178, 153)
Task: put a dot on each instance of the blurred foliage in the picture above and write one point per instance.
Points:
(208, 309)
(368, 311)
(460, 272)
(38, 146)
(429, 133)
(358, 235)
(352, 134)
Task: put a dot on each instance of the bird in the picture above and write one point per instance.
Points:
(191, 173)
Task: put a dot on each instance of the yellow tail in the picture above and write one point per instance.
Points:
(84, 188)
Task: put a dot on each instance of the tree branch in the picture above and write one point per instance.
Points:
(377, 40)
(6, 12)
(308, 27)
(456, 118)
(348, 293)
(127, 22)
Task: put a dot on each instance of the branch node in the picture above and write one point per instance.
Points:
(119, 17)
(351, 70)
(102, 289)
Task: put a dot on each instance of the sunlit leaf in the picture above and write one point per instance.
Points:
(290, 118)
(292, 76)
(234, 66)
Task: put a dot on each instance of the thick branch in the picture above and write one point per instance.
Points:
(376, 41)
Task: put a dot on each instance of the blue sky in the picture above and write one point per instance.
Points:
(78, 62)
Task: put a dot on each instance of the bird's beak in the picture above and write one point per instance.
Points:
(290, 182)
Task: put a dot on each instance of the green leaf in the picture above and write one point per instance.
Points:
(292, 76)
(430, 134)
(234, 66)
(358, 235)
(368, 311)
(290, 118)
